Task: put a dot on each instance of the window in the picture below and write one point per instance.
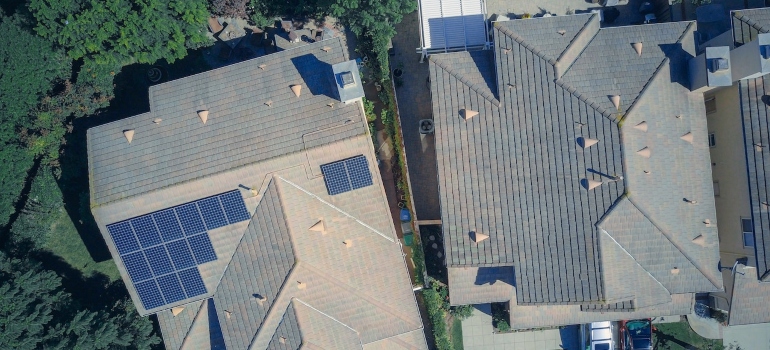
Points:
(712, 140)
(748, 232)
(716, 188)
(711, 105)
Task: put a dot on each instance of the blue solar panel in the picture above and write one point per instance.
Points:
(190, 219)
(171, 288)
(159, 261)
(212, 213)
(146, 231)
(192, 282)
(358, 170)
(235, 208)
(168, 225)
(336, 178)
(123, 237)
(180, 253)
(202, 248)
(149, 294)
(137, 266)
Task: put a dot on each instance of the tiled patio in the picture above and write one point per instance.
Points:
(478, 335)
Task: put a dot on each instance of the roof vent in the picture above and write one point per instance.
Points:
(718, 65)
(262, 66)
(687, 137)
(228, 314)
(204, 115)
(282, 340)
(765, 205)
(562, 32)
(301, 285)
(319, 227)
(157, 121)
(638, 48)
(590, 184)
(478, 236)
(707, 222)
(326, 49)
(644, 152)
(296, 89)
(261, 299)
(647, 172)
(469, 113)
(330, 104)
(129, 134)
(691, 201)
(177, 310)
(641, 126)
(700, 240)
(269, 103)
(511, 86)
(506, 51)
(585, 142)
(348, 243)
(758, 147)
(675, 271)
(347, 79)
(615, 101)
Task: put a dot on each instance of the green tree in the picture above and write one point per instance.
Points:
(31, 67)
(120, 32)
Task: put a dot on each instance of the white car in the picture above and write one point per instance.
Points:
(599, 336)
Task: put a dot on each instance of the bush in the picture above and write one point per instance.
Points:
(434, 302)
(461, 312)
(503, 326)
(369, 110)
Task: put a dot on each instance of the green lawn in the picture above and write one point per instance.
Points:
(65, 242)
(457, 334)
(679, 336)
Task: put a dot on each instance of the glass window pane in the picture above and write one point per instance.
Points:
(747, 226)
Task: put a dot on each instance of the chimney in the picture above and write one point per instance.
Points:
(751, 60)
(711, 69)
(348, 81)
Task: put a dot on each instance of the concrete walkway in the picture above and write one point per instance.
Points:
(705, 327)
(414, 104)
(478, 335)
(748, 337)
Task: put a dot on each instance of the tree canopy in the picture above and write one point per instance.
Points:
(122, 31)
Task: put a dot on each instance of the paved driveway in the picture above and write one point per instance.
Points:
(414, 104)
(478, 335)
(753, 336)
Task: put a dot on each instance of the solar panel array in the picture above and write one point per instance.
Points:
(162, 250)
(347, 175)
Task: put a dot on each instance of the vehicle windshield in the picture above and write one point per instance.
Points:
(642, 344)
(638, 328)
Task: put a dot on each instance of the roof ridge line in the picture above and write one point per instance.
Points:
(336, 208)
(665, 234)
(366, 297)
(395, 335)
(465, 81)
(273, 307)
(327, 315)
(690, 27)
(582, 98)
(197, 315)
(634, 259)
(509, 33)
(581, 32)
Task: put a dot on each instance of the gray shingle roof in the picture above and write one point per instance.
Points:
(182, 148)
(516, 172)
(470, 285)
(259, 266)
(273, 154)
(537, 316)
(755, 129)
(288, 335)
(748, 23)
(749, 302)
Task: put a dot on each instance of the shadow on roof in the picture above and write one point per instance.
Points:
(678, 60)
(215, 331)
(316, 75)
(491, 275)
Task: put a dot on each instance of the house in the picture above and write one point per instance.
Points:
(574, 171)
(246, 210)
(737, 114)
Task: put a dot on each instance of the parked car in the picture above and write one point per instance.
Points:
(637, 335)
(599, 336)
